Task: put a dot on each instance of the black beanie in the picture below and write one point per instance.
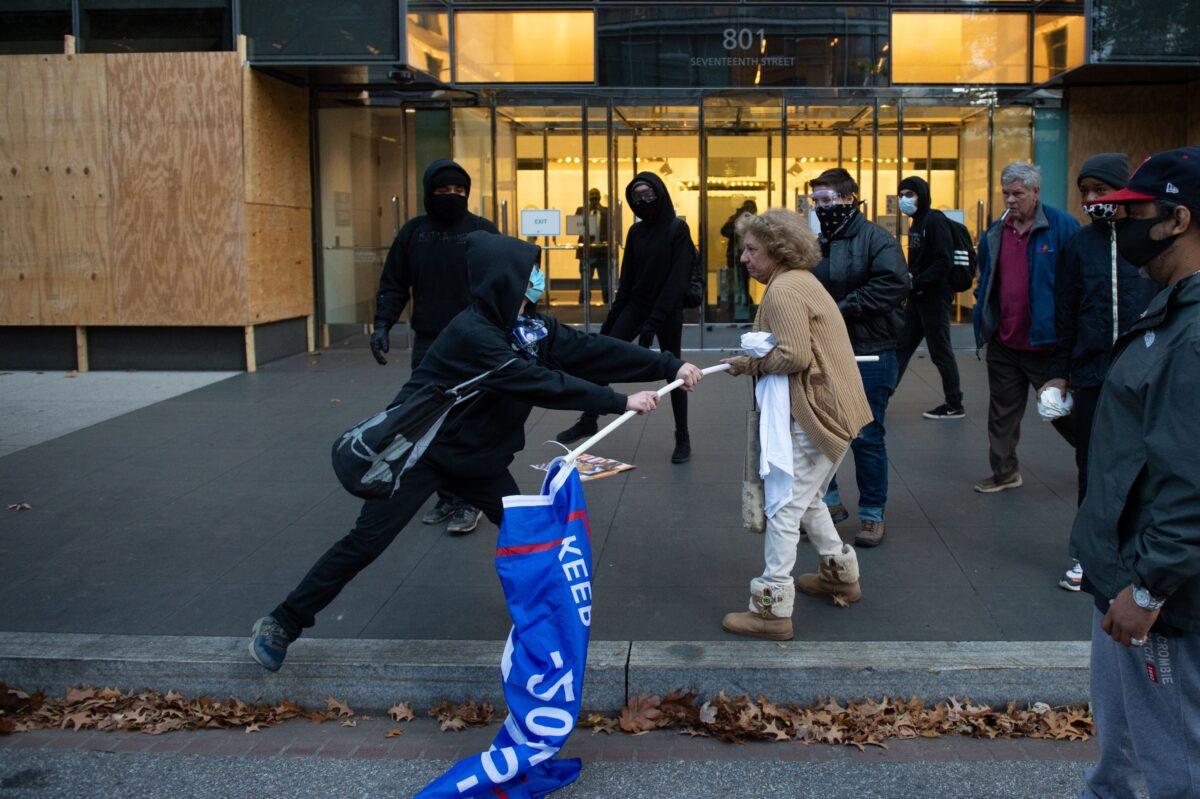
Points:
(449, 174)
(1111, 168)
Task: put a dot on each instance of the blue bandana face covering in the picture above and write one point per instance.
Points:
(537, 286)
(528, 333)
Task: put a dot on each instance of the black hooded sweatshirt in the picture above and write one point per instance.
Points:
(657, 264)
(930, 242)
(428, 261)
(481, 437)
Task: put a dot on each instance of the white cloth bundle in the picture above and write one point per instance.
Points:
(775, 463)
(1052, 404)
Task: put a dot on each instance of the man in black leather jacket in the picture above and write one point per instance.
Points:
(863, 269)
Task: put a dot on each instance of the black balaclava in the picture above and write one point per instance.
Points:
(650, 212)
(446, 208)
(1111, 169)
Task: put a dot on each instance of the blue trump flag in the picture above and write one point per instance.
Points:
(544, 559)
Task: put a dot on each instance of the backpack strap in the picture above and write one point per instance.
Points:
(484, 376)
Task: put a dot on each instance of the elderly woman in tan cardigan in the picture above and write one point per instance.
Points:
(828, 408)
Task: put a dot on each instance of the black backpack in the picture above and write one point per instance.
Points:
(965, 265)
(693, 294)
(370, 458)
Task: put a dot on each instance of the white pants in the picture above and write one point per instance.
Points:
(814, 471)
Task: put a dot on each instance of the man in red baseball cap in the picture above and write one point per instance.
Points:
(1137, 533)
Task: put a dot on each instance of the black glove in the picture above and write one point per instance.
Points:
(380, 343)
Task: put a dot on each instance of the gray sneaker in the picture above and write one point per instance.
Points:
(994, 485)
(464, 520)
(439, 513)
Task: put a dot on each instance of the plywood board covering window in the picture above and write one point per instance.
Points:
(524, 46)
(970, 48)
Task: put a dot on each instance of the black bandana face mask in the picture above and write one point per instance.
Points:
(834, 217)
(448, 207)
(1101, 212)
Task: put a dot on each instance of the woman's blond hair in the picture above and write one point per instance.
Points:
(785, 235)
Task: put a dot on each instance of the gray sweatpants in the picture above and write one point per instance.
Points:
(1147, 707)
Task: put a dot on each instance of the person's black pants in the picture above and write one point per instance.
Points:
(421, 344)
(377, 525)
(1011, 373)
(596, 265)
(628, 326)
(1085, 416)
(928, 317)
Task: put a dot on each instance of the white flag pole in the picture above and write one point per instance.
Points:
(662, 392)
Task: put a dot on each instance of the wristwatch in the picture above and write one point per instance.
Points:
(1146, 600)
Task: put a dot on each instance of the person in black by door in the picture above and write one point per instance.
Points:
(593, 262)
(428, 263)
(740, 291)
(535, 360)
(927, 315)
(1097, 296)
(659, 254)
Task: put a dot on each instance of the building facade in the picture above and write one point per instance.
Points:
(260, 155)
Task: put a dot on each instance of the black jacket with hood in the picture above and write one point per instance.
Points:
(1084, 303)
(930, 243)
(1140, 522)
(482, 436)
(428, 262)
(657, 264)
(866, 274)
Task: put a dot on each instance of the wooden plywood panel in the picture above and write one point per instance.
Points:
(276, 123)
(55, 260)
(1136, 120)
(279, 262)
(177, 184)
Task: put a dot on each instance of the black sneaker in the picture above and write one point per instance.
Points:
(585, 427)
(946, 411)
(439, 513)
(464, 520)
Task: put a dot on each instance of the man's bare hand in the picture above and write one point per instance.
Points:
(690, 374)
(1126, 621)
(642, 402)
(1058, 383)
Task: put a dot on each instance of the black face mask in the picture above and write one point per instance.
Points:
(643, 208)
(834, 217)
(447, 208)
(1134, 242)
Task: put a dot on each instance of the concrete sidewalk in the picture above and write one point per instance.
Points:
(195, 515)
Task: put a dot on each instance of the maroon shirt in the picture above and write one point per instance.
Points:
(1012, 271)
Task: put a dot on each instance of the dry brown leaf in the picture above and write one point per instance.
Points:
(335, 402)
(453, 724)
(340, 709)
(349, 723)
(401, 711)
(393, 732)
(641, 714)
(840, 601)
(20, 506)
(253, 728)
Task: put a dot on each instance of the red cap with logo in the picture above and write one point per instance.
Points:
(1173, 176)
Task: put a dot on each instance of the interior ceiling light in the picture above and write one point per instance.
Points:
(665, 169)
(795, 168)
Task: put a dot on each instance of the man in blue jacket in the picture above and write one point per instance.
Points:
(1014, 313)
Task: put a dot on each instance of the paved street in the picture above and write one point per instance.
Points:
(196, 514)
(301, 760)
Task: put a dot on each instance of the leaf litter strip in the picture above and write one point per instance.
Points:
(730, 719)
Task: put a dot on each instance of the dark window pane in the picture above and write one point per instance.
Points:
(361, 29)
(34, 27)
(812, 45)
(155, 26)
(1135, 30)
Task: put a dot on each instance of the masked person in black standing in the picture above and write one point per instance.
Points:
(1097, 296)
(659, 254)
(927, 315)
(740, 293)
(864, 271)
(428, 263)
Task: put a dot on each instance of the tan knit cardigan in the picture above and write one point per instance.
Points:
(813, 350)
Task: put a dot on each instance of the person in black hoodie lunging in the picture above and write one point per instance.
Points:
(553, 366)
(654, 274)
(428, 262)
(927, 315)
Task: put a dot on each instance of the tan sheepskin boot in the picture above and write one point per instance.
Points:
(770, 614)
(837, 576)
